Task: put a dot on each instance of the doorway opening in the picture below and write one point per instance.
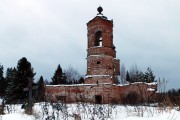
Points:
(98, 99)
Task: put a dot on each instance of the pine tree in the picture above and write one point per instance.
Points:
(41, 89)
(2, 82)
(136, 77)
(59, 77)
(81, 80)
(24, 73)
(149, 77)
(11, 86)
(141, 77)
(128, 77)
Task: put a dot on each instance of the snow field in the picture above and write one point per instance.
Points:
(59, 111)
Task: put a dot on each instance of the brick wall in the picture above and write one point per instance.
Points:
(101, 51)
(103, 25)
(109, 93)
(102, 65)
(101, 59)
(117, 66)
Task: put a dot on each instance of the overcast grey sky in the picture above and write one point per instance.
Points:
(52, 32)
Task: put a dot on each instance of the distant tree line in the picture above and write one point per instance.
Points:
(70, 76)
(3, 82)
(174, 96)
(17, 79)
(135, 75)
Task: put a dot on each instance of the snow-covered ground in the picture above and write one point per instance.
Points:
(47, 111)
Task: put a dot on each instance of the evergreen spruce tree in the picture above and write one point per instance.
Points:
(141, 77)
(136, 77)
(2, 82)
(128, 77)
(59, 77)
(41, 89)
(149, 77)
(81, 80)
(11, 86)
(24, 73)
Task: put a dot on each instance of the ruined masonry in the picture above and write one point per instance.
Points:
(102, 70)
(102, 65)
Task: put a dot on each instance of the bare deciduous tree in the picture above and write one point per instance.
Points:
(133, 71)
(123, 74)
(72, 74)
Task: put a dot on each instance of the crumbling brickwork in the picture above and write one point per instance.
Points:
(109, 93)
(102, 67)
(101, 53)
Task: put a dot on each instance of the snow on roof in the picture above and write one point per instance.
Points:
(126, 84)
(116, 58)
(137, 82)
(73, 85)
(157, 92)
(152, 83)
(150, 89)
(88, 76)
(100, 55)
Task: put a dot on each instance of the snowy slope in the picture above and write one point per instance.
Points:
(89, 111)
(17, 116)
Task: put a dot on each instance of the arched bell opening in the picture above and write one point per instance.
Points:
(98, 39)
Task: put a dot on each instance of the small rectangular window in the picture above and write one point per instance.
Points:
(98, 99)
(61, 98)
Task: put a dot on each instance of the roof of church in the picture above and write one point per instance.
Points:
(100, 16)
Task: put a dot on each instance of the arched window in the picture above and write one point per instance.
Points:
(98, 39)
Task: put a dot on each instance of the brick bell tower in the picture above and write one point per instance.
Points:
(102, 64)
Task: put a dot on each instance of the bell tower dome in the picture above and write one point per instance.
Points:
(102, 65)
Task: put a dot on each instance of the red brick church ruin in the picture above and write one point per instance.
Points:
(102, 70)
(102, 65)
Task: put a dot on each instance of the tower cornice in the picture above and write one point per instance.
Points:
(100, 18)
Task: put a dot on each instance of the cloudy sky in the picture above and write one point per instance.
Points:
(52, 32)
